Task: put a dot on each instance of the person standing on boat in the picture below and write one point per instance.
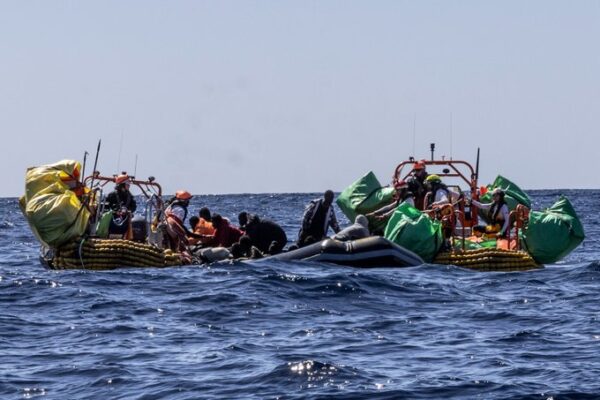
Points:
(176, 214)
(497, 212)
(318, 217)
(121, 198)
(122, 205)
(416, 183)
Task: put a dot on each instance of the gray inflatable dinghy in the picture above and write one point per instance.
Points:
(373, 251)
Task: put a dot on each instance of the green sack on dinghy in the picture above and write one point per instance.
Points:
(52, 210)
(104, 224)
(553, 233)
(364, 196)
(415, 231)
(514, 194)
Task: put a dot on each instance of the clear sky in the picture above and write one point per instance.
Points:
(297, 96)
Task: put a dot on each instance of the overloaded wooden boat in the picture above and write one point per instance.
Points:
(448, 234)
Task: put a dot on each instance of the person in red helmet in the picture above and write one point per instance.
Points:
(121, 198)
(176, 214)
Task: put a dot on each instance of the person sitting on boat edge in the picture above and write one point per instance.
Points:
(275, 248)
(358, 230)
(225, 234)
(497, 212)
(243, 220)
(401, 195)
(264, 232)
(246, 249)
(318, 217)
(204, 225)
(201, 225)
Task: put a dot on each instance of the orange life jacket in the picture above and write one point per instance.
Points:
(203, 227)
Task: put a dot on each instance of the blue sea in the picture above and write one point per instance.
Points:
(297, 330)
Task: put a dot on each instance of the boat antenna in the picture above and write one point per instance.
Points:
(451, 131)
(477, 166)
(89, 197)
(96, 163)
(85, 154)
(414, 132)
(120, 148)
(135, 167)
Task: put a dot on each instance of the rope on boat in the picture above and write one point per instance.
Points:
(80, 252)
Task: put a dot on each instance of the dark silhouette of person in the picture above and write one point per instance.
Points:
(318, 217)
(264, 232)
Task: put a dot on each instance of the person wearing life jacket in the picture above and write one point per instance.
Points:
(318, 217)
(225, 234)
(122, 205)
(175, 215)
(201, 226)
(416, 183)
(401, 195)
(497, 212)
(121, 198)
(437, 193)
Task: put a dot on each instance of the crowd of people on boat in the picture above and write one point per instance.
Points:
(211, 237)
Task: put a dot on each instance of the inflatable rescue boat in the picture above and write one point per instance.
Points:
(451, 233)
(67, 215)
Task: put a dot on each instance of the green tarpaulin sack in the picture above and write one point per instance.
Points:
(514, 195)
(364, 196)
(412, 229)
(104, 224)
(553, 233)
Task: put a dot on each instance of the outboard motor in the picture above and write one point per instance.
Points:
(139, 228)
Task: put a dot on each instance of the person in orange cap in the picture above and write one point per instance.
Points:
(122, 205)
(121, 199)
(176, 214)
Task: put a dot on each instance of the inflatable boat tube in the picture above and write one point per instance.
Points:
(373, 251)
